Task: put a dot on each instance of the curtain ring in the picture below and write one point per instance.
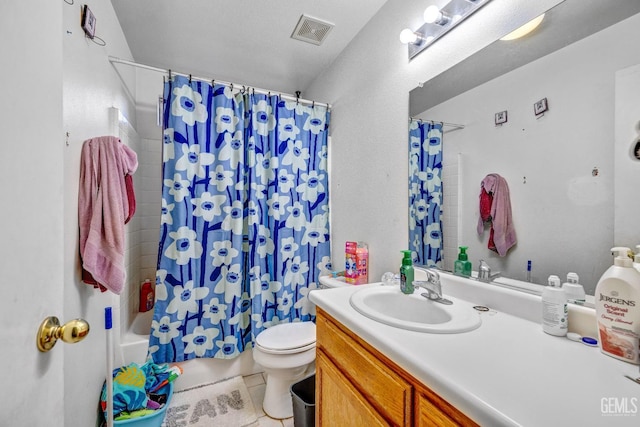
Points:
(213, 82)
(313, 104)
(231, 86)
(169, 74)
(189, 78)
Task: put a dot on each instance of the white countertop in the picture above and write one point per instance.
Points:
(508, 372)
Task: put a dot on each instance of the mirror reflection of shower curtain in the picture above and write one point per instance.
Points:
(425, 192)
(244, 231)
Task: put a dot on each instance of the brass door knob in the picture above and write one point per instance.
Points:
(50, 331)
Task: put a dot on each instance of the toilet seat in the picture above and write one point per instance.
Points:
(287, 338)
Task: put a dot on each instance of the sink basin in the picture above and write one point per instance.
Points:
(388, 305)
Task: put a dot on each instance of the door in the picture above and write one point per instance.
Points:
(31, 211)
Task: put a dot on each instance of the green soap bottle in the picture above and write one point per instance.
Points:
(406, 273)
(462, 266)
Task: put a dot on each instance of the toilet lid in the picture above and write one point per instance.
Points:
(288, 336)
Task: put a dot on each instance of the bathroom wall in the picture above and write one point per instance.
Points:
(627, 167)
(369, 86)
(148, 87)
(129, 299)
(91, 86)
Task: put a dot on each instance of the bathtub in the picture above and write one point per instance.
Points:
(135, 342)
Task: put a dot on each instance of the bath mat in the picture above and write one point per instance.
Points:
(225, 403)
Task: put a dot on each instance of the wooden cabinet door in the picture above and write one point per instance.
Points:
(429, 413)
(383, 388)
(339, 403)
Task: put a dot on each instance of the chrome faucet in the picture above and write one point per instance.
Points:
(432, 286)
(484, 272)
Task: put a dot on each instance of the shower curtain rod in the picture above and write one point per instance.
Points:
(290, 97)
(453, 125)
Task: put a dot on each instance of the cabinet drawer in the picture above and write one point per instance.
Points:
(385, 390)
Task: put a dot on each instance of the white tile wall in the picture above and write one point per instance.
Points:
(141, 233)
(450, 174)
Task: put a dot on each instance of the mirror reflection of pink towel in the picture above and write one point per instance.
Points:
(103, 207)
(502, 229)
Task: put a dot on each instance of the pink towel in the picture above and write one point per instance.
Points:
(502, 229)
(103, 207)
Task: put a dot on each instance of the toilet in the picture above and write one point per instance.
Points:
(287, 353)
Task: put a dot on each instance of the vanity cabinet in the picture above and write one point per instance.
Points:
(356, 385)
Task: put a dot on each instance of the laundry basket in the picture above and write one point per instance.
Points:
(151, 420)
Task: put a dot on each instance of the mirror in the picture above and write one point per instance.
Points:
(569, 168)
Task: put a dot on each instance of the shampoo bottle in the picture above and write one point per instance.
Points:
(147, 296)
(406, 273)
(618, 309)
(574, 290)
(462, 266)
(554, 308)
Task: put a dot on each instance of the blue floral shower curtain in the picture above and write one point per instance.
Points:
(425, 192)
(244, 229)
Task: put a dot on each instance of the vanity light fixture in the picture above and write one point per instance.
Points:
(433, 15)
(438, 21)
(525, 29)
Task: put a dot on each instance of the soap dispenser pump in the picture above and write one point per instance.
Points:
(462, 266)
(406, 273)
(554, 308)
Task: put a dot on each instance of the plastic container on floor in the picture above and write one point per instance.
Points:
(303, 396)
(152, 420)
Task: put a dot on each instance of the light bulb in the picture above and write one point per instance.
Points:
(524, 30)
(432, 14)
(407, 36)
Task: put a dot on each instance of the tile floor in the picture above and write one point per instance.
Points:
(256, 385)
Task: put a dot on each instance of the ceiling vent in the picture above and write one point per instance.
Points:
(311, 30)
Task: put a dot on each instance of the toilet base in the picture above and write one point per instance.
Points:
(277, 394)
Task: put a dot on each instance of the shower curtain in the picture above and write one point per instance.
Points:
(244, 227)
(425, 192)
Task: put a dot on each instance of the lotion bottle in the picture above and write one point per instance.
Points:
(636, 259)
(554, 308)
(618, 309)
(406, 273)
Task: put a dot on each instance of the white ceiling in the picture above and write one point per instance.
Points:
(243, 41)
